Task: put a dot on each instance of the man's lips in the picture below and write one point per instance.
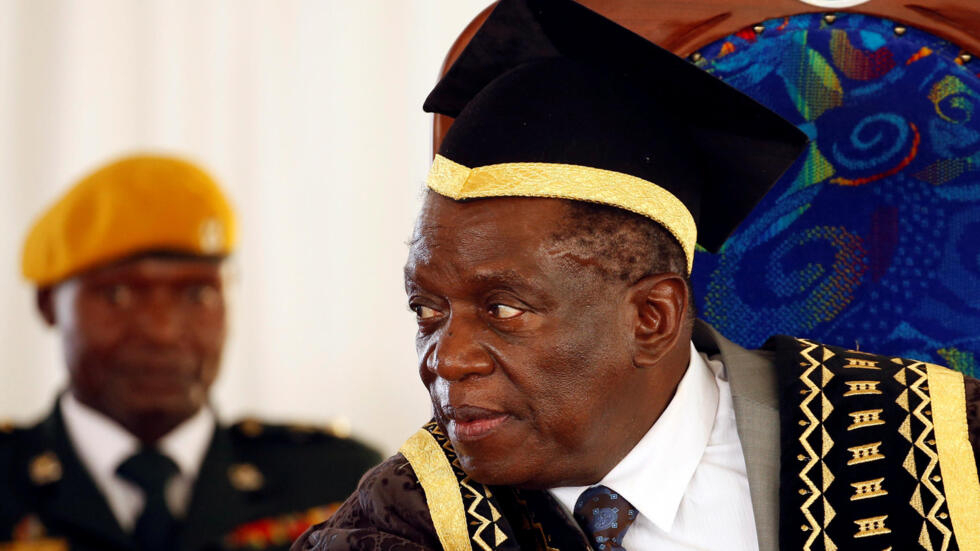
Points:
(468, 423)
(159, 377)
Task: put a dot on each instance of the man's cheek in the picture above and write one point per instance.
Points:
(98, 337)
(423, 348)
(438, 391)
(566, 424)
(207, 337)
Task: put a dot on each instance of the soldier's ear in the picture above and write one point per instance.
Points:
(661, 324)
(45, 304)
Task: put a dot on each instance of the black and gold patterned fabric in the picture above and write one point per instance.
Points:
(875, 452)
(465, 517)
(469, 515)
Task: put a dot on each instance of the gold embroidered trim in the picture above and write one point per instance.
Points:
(862, 387)
(874, 526)
(865, 453)
(919, 387)
(956, 461)
(484, 521)
(581, 183)
(855, 363)
(810, 353)
(441, 490)
(866, 418)
(868, 488)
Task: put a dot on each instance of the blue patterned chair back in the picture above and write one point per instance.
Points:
(872, 239)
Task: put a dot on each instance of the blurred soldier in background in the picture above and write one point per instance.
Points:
(129, 271)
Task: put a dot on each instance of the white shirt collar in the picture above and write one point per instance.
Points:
(656, 472)
(188, 443)
(102, 444)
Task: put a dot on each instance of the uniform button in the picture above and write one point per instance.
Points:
(45, 469)
(251, 428)
(245, 477)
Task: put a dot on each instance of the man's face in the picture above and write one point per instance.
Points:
(525, 351)
(143, 337)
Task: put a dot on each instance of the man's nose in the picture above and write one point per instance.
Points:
(459, 353)
(160, 316)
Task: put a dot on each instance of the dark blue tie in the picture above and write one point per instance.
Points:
(150, 470)
(605, 516)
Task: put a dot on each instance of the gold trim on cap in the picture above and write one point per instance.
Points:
(956, 460)
(562, 181)
(441, 489)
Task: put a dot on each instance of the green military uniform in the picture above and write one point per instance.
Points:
(251, 492)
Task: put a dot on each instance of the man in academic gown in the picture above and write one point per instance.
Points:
(577, 402)
(129, 267)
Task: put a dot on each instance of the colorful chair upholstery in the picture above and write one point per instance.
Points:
(873, 239)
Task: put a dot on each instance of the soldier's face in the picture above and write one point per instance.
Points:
(143, 338)
(525, 351)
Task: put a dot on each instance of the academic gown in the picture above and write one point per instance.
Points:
(781, 422)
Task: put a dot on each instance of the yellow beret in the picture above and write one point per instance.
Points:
(136, 204)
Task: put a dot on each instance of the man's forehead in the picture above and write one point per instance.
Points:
(483, 229)
(155, 265)
(507, 242)
(508, 215)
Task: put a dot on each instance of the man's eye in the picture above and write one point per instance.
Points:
(120, 296)
(207, 296)
(424, 312)
(504, 312)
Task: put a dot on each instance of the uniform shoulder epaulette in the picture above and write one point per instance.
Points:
(251, 429)
(7, 427)
(9, 432)
(282, 455)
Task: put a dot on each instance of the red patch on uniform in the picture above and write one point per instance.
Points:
(278, 531)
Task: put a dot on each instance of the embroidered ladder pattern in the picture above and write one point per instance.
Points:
(866, 440)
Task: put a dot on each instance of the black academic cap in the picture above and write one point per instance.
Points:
(554, 100)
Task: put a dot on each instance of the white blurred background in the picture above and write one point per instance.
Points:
(308, 112)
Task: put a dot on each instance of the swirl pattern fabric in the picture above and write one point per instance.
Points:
(872, 239)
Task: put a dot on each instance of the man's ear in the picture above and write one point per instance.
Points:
(45, 304)
(660, 305)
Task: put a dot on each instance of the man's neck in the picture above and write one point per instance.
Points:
(148, 427)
